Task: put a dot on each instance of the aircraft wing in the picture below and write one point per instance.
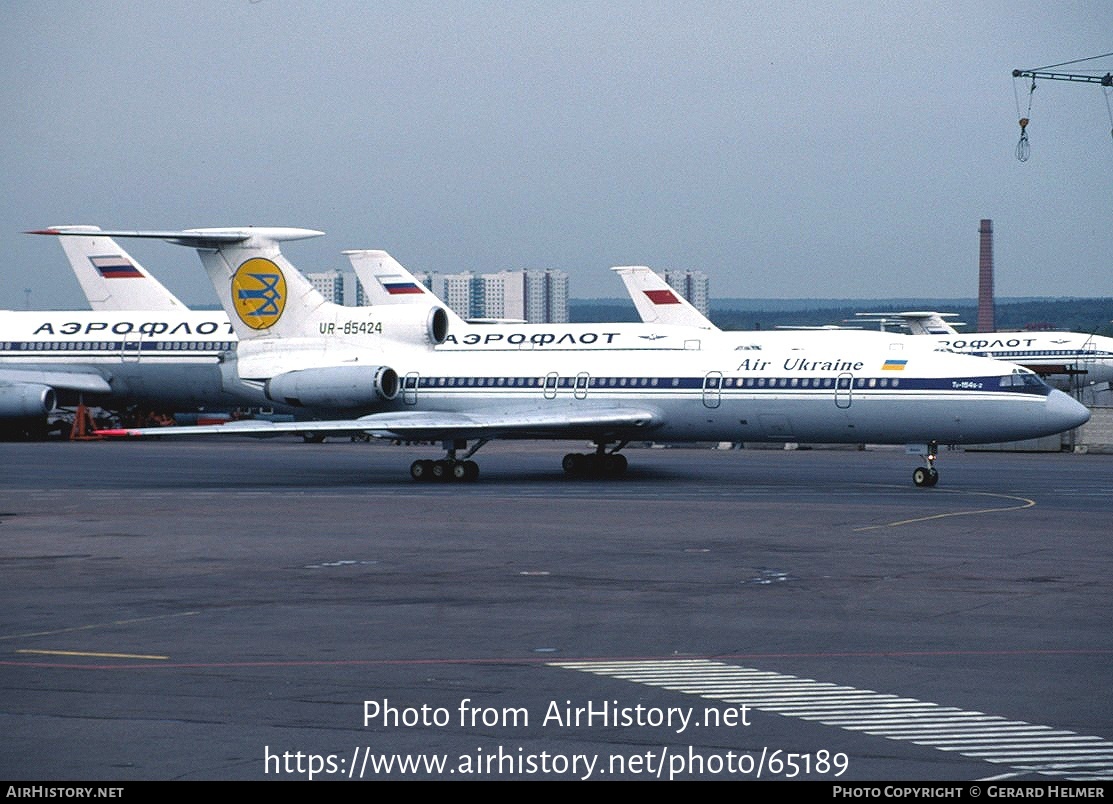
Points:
(67, 380)
(437, 425)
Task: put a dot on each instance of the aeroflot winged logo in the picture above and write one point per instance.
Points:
(259, 293)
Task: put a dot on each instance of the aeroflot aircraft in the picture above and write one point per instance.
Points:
(113, 280)
(1065, 358)
(385, 281)
(157, 359)
(165, 357)
(378, 370)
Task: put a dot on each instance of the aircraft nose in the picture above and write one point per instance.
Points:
(1064, 412)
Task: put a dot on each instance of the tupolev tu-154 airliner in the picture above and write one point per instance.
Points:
(377, 371)
(138, 346)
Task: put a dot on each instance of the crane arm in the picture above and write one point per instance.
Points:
(1105, 80)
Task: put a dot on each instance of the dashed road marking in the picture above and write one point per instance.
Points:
(1023, 746)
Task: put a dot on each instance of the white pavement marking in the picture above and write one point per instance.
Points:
(990, 738)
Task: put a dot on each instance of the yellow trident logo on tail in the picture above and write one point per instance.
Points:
(259, 293)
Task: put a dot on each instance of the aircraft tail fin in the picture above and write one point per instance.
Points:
(268, 299)
(262, 292)
(110, 277)
(656, 301)
(386, 281)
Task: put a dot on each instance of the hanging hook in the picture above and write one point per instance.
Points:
(1022, 147)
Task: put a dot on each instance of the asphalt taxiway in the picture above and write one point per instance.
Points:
(260, 610)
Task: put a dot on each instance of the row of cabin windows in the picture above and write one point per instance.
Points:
(655, 382)
(116, 346)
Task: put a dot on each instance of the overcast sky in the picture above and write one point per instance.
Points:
(787, 149)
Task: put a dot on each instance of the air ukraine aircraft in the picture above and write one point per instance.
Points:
(1064, 357)
(378, 370)
(167, 359)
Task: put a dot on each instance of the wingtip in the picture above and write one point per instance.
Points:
(125, 433)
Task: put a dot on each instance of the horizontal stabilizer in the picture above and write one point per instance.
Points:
(199, 238)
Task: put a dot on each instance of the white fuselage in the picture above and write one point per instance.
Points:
(158, 359)
(833, 387)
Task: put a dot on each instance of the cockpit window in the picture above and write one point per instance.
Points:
(1022, 379)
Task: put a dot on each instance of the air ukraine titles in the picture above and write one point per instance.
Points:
(800, 364)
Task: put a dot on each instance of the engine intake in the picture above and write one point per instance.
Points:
(437, 325)
(25, 400)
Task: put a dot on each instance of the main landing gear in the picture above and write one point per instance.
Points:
(593, 464)
(596, 464)
(450, 468)
(927, 476)
(444, 470)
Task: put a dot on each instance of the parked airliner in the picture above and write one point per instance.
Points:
(378, 369)
(167, 358)
(1066, 359)
(386, 281)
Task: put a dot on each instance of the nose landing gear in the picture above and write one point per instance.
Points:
(927, 476)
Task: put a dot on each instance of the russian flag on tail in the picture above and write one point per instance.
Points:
(115, 266)
(397, 286)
